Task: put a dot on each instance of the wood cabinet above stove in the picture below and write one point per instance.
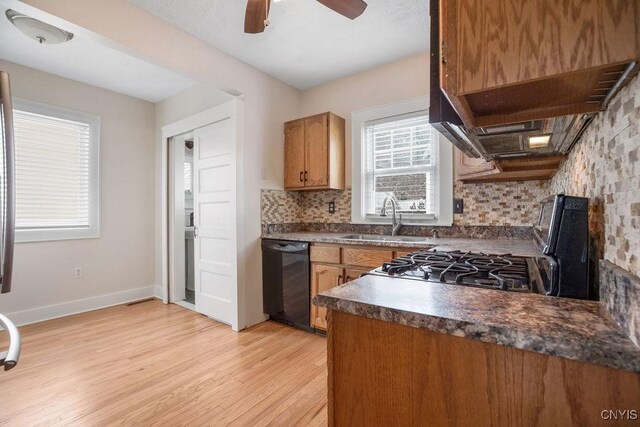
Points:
(507, 61)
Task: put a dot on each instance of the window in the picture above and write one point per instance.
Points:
(56, 173)
(397, 154)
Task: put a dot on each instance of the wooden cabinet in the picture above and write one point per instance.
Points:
(334, 265)
(323, 278)
(294, 154)
(396, 375)
(351, 274)
(468, 169)
(314, 153)
(507, 61)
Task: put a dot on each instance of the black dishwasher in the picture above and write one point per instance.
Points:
(285, 282)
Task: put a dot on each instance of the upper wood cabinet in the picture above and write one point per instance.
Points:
(469, 169)
(314, 153)
(506, 61)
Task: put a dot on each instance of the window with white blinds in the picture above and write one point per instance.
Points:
(398, 154)
(56, 173)
(401, 162)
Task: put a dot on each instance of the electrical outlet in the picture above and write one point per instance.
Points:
(332, 207)
(77, 273)
(458, 206)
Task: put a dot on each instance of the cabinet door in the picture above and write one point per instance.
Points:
(469, 166)
(353, 274)
(323, 278)
(317, 151)
(294, 147)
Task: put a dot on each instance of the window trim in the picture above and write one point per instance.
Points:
(444, 175)
(28, 235)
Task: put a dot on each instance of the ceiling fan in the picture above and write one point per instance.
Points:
(257, 14)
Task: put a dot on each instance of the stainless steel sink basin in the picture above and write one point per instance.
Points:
(365, 237)
(378, 238)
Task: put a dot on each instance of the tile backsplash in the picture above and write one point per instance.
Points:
(502, 203)
(604, 167)
(513, 204)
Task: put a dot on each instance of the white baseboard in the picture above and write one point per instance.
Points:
(157, 291)
(48, 312)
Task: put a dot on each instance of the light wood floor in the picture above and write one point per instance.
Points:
(151, 363)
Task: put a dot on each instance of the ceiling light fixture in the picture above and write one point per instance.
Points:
(539, 141)
(37, 30)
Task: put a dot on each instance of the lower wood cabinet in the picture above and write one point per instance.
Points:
(323, 278)
(353, 273)
(334, 265)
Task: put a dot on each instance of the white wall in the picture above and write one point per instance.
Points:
(122, 259)
(401, 80)
(268, 102)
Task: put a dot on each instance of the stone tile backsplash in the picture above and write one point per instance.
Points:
(604, 167)
(502, 203)
(513, 204)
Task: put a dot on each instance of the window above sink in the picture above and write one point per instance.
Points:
(397, 154)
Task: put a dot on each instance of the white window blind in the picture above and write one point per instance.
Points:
(56, 175)
(401, 161)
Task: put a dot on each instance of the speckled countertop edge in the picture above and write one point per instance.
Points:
(602, 342)
(512, 246)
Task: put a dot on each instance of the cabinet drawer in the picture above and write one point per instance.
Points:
(366, 257)
(330, 254)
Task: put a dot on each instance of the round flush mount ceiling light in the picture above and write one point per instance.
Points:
(37, 30)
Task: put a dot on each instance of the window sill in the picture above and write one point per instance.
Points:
(35, 236)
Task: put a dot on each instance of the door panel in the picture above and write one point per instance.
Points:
(323, 278)
(294, 154)
(317, 151)
(215, 219)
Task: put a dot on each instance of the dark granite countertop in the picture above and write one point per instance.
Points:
(573, 329)
(493, 246)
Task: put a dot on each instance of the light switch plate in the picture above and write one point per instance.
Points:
(458, 206)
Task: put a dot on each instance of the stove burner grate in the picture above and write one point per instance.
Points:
(504, 271)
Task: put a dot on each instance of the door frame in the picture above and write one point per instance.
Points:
(176, 202)
(234, 109)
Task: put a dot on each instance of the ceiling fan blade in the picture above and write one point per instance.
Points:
(257, 12)
(349, 8)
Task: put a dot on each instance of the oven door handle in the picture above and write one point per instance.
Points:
(554, 289)
(9, 358)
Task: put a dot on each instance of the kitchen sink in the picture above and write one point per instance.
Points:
(378, 238)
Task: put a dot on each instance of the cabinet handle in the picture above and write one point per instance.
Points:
(306, 174)
(339, 279)
(300, 176)
(443, 52)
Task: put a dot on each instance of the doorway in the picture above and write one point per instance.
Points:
(204, 222)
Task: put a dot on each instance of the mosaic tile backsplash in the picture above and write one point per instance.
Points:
(513, 204)
(604, 166)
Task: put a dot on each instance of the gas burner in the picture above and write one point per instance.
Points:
(505, 271)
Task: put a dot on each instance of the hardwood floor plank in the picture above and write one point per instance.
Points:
(156, 364)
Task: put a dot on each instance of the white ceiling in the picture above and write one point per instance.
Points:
(92, 63)
(306, 44)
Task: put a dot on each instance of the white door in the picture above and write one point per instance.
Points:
(214, 179)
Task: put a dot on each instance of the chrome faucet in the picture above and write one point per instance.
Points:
(383, 213)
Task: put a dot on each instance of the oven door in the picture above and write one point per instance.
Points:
(546, 229)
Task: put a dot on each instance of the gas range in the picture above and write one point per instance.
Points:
(504, 272)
